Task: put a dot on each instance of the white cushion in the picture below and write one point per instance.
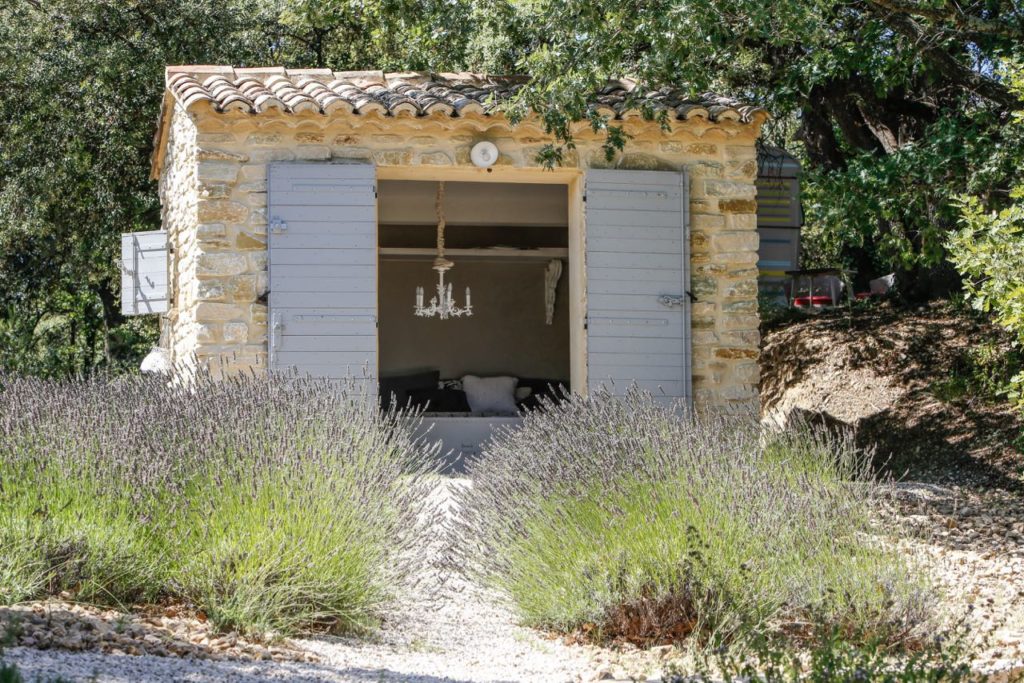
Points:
(491, 394)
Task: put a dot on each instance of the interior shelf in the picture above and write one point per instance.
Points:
(483, 253)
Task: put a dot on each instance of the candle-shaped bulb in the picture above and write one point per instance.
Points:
(419, 297)
(468, 304)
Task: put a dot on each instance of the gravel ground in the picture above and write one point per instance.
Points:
(447, 630)
(972, 542)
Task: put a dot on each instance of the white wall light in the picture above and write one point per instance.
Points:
(484, 154)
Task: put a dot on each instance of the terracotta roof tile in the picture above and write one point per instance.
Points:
(258, 90)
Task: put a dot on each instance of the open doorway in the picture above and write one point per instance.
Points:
(509, 245)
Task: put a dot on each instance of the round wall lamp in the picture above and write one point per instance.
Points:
(484, 154)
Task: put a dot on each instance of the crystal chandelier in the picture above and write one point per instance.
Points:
(443, 305)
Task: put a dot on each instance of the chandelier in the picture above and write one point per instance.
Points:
(443, 305)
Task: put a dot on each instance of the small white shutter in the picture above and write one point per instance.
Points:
(144, 272)
(323, 268)
(638, 276)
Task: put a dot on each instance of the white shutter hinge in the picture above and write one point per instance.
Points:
(277, 225)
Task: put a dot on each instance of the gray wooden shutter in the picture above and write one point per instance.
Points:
(638, 276)
(322, 237)
(144, 272)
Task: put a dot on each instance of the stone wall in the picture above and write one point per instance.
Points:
(223, 270)
(179, 199)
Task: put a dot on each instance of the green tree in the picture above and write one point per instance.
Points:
(988, 249)
(893, 105)
(82, 85)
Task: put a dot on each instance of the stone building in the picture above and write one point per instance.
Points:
(300, 216)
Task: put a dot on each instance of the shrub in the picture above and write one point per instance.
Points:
(270, 504)
(832, 659)
(616, 518)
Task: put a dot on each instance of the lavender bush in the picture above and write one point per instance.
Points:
(616, 518)
(283, 504)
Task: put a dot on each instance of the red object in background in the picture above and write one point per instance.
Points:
(804, 301)
(860, 296)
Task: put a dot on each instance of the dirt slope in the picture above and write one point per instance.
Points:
(879, 371)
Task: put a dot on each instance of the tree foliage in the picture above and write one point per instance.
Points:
(83, 81)
(894, 105)
(988, 250)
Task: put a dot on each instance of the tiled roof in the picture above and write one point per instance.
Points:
(259, 90)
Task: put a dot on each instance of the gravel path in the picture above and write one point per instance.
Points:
(445, 630)
(448, 630)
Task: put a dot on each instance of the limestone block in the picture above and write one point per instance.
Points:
(435, 159)
(208, 311)
(746, 306)
(221, 263)
(740, 152)
(210, 290)
(247, 240)
(215, 138)
(742, 169)
(251, 172)
(744, 271)
(737, 205)
(257, 261)
(735, 241)
(262, 283)
(640, 161)
(729, 188)
(309, 138)
(235, 333)
(211, 154)
(214, 190)
(256, 185)
(207, 232)
(702, 204)
(707, 221)
(258, 313)
(733, 353)
(313, 152)
(705, 169)
(222, 211)
(350, 153)
(207, 334)
(743, 289)
(703, 286)
(258, 333)
(393, 157)
(704, 337)
(741, 221)
(702, 322)
(241, 288)
(262, 156)
(746, 339)
(700, 242)
(702, 149)
(747, 373)
(263, 139)
(741, 321)
(706, 308)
